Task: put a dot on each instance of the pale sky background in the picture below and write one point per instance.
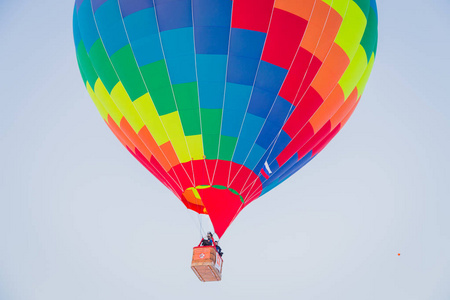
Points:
(81, 219)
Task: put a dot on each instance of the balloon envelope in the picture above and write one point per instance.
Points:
(224, 100)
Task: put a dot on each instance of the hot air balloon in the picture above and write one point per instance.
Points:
(224, 100)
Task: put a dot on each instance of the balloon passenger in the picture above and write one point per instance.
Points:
(218, 249)
(208, 241)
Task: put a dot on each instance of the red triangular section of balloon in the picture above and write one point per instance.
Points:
(222, 207)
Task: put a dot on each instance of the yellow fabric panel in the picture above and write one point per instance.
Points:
(195, 145)
(354, 72)
(146, 109)
(105, 99)
(338, 5)
(352, 30)
(363, 81)
(172, 123)
(125, 105)
(97, 102)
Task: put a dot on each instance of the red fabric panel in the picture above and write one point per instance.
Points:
(315, 140)
(283, 39)
(201, 176)
(326, 140)
(297, 142)
(252, 14)
(304, 63)
(221, 174)
(303, 112)
(182, 176)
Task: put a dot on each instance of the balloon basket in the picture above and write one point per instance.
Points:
(207, 264)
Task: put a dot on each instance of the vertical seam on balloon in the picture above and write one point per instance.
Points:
(224, 94)
(273, 104)
(251, 93)
(99, 35)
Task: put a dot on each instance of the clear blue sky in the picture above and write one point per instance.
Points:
(81, 219)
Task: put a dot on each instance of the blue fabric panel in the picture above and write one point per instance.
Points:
(144, 36)
(76, 29)
(246, 139)
(96, 4)
(262, 158)
(242, 70)
(236, 100)
(261, 102)
(211, 67)
(141, 24)
(212, 13)
(128, 7)
(247, 43)
(254, 157)
(270, 77)
(274, 123)
(173, 14)
(110, 25)
(279, 172)
(297, 166)
(211, 94)
(211, 40)
(87, 26)
(177, 42)
(147, 50)
(231, 122)
(268, 187)
(267, 135)
(78, 4)
(281, 143)
(373, 4)
(181, 69)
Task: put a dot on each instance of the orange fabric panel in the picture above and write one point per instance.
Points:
(344, 121)
(299, 8)
(331, 71)
(119, 134)
(132, 135)
(344, 110)
(328, 108)
(151, 144)
(329, 34)
(314, 30)
(169, 152)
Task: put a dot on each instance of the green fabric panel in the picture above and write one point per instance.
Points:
(158, 84)
(186, 96)
(211, 145)
(211, 120)
(369, 39)
(364, 5)
(125, 65)
(233, 191)
(103, 65)
(227, 146)
(190, 119)
(219, 187)
(85, 65)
